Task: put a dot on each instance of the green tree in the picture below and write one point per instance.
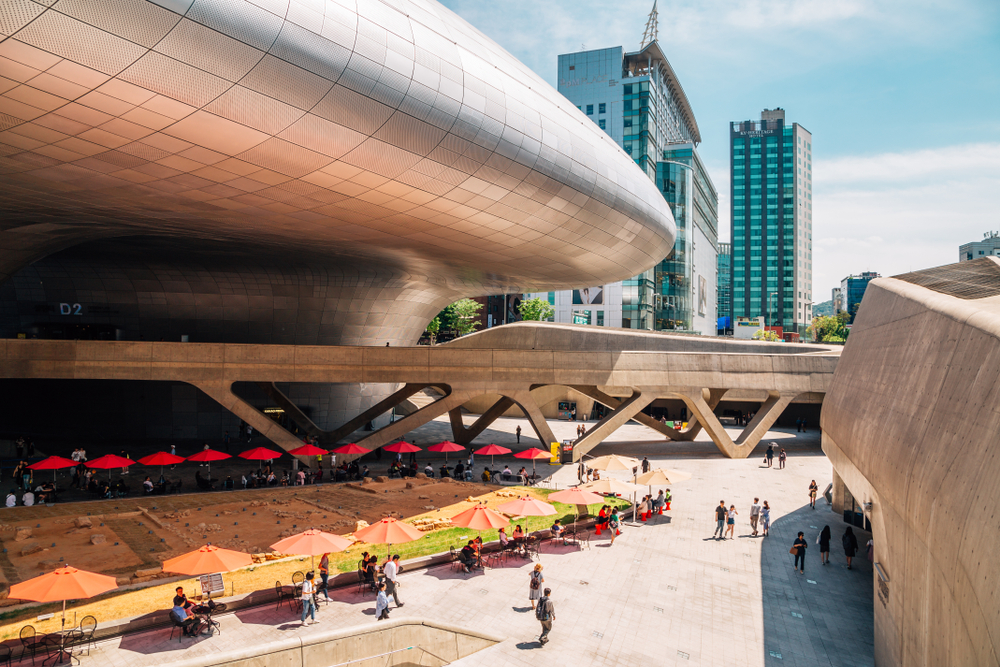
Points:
(536, 310)
(830, 329)
(767, 334)
(434, 328)
(463, 315)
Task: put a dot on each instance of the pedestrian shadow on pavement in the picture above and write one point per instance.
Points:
(525, 646)
(522, 610)
(806, 615)
(159, 641)
(448, 572)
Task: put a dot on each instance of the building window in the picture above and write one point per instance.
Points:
(601, 108)
(600, 124)
(600, 318)
(590, 109)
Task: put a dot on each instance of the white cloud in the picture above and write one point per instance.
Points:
(900, 212)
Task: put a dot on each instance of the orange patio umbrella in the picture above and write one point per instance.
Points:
(388, 531)
(207, 560)
(311, 543)
(576, 496)
(527, 507)
(479, 517)
(65, 583)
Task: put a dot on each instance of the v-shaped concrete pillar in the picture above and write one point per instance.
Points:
(628, 409)
(770, 410)
(464, 435)
(401, 427)
(222, 392)
(539, 425)
(688, 434)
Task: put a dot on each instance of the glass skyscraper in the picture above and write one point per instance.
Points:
(772, 221)
(724, 289)
(637, 99)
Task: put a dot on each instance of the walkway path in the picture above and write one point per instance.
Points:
(664, 594)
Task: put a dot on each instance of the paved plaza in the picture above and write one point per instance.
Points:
(664, 594)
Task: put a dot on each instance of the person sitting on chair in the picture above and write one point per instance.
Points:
(184, 617)
(444, 471)
(468, 556)
(557, 531)
(486, 476)
(505, 475)
(147, 486)
(429, 470)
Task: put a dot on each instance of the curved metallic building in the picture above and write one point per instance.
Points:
(291, 172)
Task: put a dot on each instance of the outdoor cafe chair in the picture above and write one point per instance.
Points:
(84, 635)
(30, 641)
(455, 563)
(5, 655)
(298, 578)
(282, 595)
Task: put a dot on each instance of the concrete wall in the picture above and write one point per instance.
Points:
(910, 424)
(448, 643)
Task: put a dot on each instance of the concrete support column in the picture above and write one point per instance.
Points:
(222, 392)
(399, 428)
(529, 406)
(611, 423)
(838, 493)
(770, 410)
(464, 435)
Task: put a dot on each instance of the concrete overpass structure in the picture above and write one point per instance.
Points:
(625, 381)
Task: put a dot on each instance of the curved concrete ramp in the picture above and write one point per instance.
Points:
(386, 643)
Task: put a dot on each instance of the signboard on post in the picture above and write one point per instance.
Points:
(211, 584)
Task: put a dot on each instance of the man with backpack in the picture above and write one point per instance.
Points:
(545, 612)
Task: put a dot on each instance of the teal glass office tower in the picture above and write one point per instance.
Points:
(772, 221)
(638, 101)
(724, 289)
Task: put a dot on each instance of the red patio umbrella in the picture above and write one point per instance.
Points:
(53, 463)
(208, 455)
(401, 447)
(109, 461)
(161, 459)
(533, 453)
(308, 450)
(491, 451)
(260, 454)
(446, 446)
(351, 449)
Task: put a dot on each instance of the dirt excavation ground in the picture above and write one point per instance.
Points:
(130, 538)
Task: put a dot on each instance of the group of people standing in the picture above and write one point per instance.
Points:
(725, 519)
(770, 453)
(849, 541)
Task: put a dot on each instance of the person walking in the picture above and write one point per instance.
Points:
(517, 432)
(535, 581)
(324, 575)
(850, 542)
(545, 612)
(731, 522)
(381, 603)
(781, 459)
(824, 545)
(813, 488)
(613, 523)
(720, 520)
(799, 549)
(765, 517)
(581, 471)
(645, 464)
(308, 603)
(770, 455)
(391, 571)
(755, 516)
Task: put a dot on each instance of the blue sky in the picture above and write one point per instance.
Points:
(902, 98)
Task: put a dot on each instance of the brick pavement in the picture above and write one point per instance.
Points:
(664, 594)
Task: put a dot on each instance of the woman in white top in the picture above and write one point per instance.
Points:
(308, 604)
(11, 499)
(731, 522)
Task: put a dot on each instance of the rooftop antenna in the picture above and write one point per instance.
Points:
(650, 34)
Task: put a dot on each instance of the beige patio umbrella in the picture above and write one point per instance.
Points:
(610, 485)
(613, 462)
(662, 477)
